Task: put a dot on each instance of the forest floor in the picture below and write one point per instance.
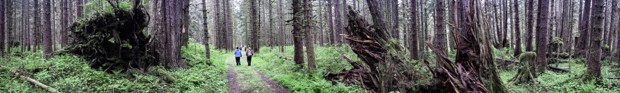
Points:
(246, 79)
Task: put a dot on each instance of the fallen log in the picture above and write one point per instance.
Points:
(35, 82)
(614, 78)
(558, 69)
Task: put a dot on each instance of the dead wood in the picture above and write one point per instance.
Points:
(35, 82)
(115, 40)
(557, 69)
(383, 67)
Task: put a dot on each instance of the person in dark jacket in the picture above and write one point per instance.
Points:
(249, 53)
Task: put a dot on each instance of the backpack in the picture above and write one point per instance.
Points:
(250, 53)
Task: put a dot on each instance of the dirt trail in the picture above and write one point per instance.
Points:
(274, 85)
(247, 79)
(233, 85)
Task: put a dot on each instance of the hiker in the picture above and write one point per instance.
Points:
(238, 55)
(249, 53)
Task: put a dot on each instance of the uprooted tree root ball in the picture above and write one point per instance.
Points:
(114, 40)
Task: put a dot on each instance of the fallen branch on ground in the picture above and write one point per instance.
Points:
(35, 82)
(558, 69)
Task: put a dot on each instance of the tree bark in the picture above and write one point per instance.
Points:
(47, 29)
(584, 24)
(333, 34)
(297, 33)
(2, 8)
(205, 29)
(413, 44)
(517, 29)
(594, 50)
(64, 23)
(270, 30)
(541, 34)
(254, 33)
(395, 20)
(530, 26)
(282, 40)
(377, 18)
(309, 39)
(338, 22)
(80, 8)
(440, 32)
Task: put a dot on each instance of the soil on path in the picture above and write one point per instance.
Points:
(233, 85)
(274, 85)
(247, 79)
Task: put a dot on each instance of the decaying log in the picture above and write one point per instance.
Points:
(35, 82)
(558, 69)
(614, 78)
(560, 55)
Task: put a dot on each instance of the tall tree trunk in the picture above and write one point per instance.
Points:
(309, 39)
(594, 49)
(47, 29)
(541, 34)
(530, 26)
(282, 40)
(395, 20)
(377, 18)
(37, 25)
(297, 33)
(9, 33)
(254, 33)
(80, 8)
(440, 32)
(503, 39)
(216, 24)
(2, 23)
(338, 21)
(271, 35)
(186, 23)
(584, 24)
(413, 45)
(63, 23)
(517, 29)
(330, 19)
(205, 29)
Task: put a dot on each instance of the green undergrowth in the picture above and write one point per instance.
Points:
(71, 73)
(560, 82)
(281, 68)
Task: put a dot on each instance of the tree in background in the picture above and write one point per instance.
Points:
(530, 26)
(205, 29)
(413, 44)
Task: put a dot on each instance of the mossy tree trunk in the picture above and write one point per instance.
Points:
(527, 72)
(541, 35)
(594, 49)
